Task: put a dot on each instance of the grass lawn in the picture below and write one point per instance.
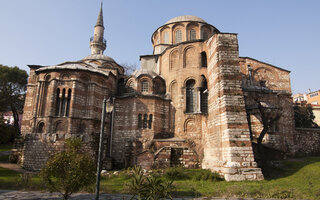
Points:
(5, 147)
(296, 179)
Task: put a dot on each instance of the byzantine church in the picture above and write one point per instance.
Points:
(193, 103)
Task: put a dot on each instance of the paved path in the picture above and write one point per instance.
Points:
(35, 195)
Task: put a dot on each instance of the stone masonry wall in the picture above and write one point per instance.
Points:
(228, 147)
(306, 142)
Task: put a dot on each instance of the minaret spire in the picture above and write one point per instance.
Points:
(97, 42)
(100, 17)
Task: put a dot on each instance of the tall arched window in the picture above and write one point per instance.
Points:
(178, 36)
(166, 38)
(58, 102)
(68, 102)
(204, 35)
(150, 121)
(63, 102)
(140, 121)
(191, 101)
(204, 96)
(144, 86)
(203, 59)
(40, 127)
(193, 34)
(145, 121)
(63, 99)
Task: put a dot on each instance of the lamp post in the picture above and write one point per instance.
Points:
(107, 106)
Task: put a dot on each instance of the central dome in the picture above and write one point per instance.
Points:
(185, 18)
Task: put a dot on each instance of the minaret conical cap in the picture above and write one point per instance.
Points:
(100, 18)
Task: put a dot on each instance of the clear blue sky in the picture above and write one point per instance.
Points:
(285, 33)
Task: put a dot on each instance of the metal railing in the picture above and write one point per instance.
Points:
(103, 40)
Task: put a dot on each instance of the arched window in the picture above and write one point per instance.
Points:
(130, 88)
(140, 121)
(178, 36)
(57, 102)
(204, 96)
(40, 127)
(166, 38)
(68, 102)
(63, 102)
(144, 86)
(63, 99)
(203, 59)
(145, 121)
(150, 121)
(204, 35)
(193, 34)
(190, 96)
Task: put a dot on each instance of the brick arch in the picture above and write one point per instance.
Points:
(190, 78)
(265, 74)
(195, 26)
(161, 35)
(47, 77)
(190, 57)
(142, 79)
(174, 60)
(40, 127)
(131, 85)
(208, 29)
(59, 127)
(189, 125)
(65, 76)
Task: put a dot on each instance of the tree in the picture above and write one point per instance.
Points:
(268, 114)
(69, 171)
(129, 68)
(13, 85)
(304, 117)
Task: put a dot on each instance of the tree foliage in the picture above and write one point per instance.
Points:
(304, 117)
(69, 171)
(13, 85)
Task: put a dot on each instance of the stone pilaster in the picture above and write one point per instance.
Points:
(227, 148)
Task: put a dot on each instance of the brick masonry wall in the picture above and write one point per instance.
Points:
(87, 93)
(126, 127)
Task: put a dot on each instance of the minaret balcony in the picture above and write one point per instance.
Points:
(103, 40)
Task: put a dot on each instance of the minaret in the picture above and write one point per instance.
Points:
(97, 42)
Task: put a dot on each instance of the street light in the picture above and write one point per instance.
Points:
(107, 107)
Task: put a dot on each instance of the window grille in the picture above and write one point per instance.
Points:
(190, 96)
(178, 36)
(193, 34)
(144, 86)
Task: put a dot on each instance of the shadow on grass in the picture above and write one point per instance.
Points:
(285, 168)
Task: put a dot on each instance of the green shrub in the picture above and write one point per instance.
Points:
(69, 171)
(176, 173)
(149, 187)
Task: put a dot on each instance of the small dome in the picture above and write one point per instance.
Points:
(185, 18)
(98, 57)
